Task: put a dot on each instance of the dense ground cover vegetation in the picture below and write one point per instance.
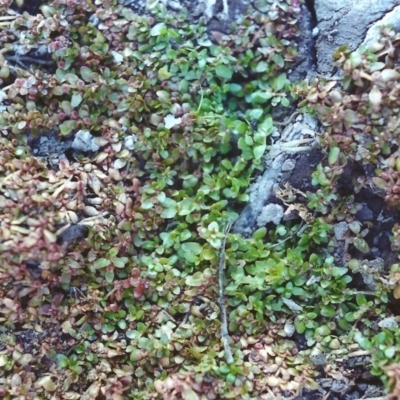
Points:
(110, 242)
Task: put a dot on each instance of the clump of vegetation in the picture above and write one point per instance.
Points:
(360, 122)
(110, 250)
(360, 117)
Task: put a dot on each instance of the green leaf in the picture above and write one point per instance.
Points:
(109, 275)
(380, 183)
(163, 74)
(101, 263)
(209, 254)
(121, 323)
(266, 127)
(224, 72)
(235, 88)
(275, 101)
(72, 79)
(278, 59)
(333, 155)
(57, 91)
(185, 235)
(260, 233)
(285, 102)
(166, 202)
(189, 181)
(258, 151)
(361, 245)
(76, 100)
(120, 262)
(280, 82)
(204, 41)
(390, 352)
(132, 334)
(361, 300)
(190, 251)
(168, 241)
(113, 252)
(328, 311)
(147, 204)
(186, 206)
(190, 394)
(158, 29)
(363, 342)
(260, 96)
(163, 95)
(169, 213)
(62, 360)
(197, 279)
(241, 127)
(323, 330)
(191, 247)
(255, 113)
(262, 66)
(67, 127)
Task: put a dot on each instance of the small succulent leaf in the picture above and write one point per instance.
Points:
(224, 71)
(396, 292)
(147, 204)
(280, 82)
(380, 183)
(186, 206)
(190, 394)
(260, 233)
(197, 279)
(375, 97)
(258, 151)
(278, 59)
(76, 99)
(163, 74)
(333, 155)
(285, 102)
(361, 245)
(158, 29)
(169, 213)
(327, 311)
(67, 127)
(260, 96)
(262, 66)
(101, 263)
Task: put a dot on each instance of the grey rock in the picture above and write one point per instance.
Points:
(262, 192)
(392, 18)
(340, 230)
(129, 142)
(84, 141)
(344, 22)
(388, 323)
(319, 360)
(270, 213)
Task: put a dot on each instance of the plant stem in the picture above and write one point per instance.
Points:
(224, 323)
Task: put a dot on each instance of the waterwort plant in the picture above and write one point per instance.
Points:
(178, 123)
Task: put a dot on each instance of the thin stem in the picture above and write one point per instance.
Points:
(296, 143)
(29, 60)
(224, 322)
(8, 17)
(289, 120)
(201, 99)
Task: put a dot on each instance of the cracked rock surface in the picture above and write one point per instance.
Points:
(325, 25)
(343, 22)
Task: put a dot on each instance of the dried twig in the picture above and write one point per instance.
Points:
(224, 323)
(288, 120)
(25, 60)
